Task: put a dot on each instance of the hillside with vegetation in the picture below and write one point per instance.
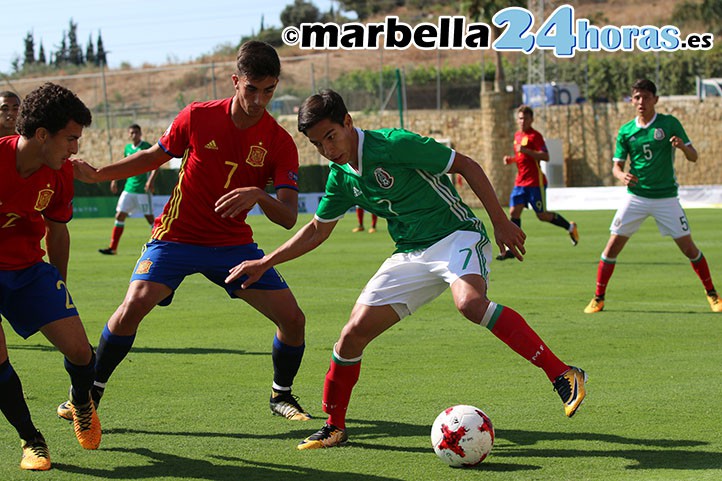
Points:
(370, 76)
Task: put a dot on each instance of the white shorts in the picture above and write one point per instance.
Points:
(668, 213)
(130, 203)
(407, 281)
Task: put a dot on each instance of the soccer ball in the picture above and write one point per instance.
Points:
(462, 435)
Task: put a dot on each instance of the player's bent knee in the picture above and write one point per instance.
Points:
(472, 307)
(79, 355)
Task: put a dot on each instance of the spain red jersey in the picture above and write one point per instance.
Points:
(529, 175)
(217, 158)
(25, 202)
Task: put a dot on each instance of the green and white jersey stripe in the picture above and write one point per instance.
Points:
(402, 177)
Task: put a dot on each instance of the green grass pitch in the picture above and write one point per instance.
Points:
(191, 400)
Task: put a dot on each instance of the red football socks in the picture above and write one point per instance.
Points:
(512, 330)
(341, 377)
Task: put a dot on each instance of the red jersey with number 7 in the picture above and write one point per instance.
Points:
(219, 157)
(530, 174)
(25, 203)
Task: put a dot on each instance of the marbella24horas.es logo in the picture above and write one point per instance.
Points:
(560, 32)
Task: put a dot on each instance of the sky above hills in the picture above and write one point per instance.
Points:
(138, 31)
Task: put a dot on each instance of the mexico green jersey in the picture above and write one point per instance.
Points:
(136, 184)
(651, 155)
(402, 178)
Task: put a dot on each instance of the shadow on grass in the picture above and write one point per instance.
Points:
(511, 445)
(152, 350)
(164, 465)
(626, 310)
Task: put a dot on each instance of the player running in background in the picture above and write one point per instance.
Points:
(401, 176)
(231, 149)
(649, 141)
(531, 183)
(36, 192)
(136, 195)
(360, 218)
(9, 108)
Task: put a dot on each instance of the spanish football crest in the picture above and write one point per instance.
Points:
(44, 197)
(658, 134)
(256, 156)
(144, 267)
(383, 178)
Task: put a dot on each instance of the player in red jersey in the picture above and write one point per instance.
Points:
(36, 192)
(530, 184)
(231, 149)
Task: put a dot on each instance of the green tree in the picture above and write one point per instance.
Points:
(75, 53)
(90, 51)
(29, 57)
(61, 54)
(100, 56)
(299, 12)
(41, 55)
(708, 12)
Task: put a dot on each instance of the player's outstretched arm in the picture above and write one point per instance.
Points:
(507, 234)
(308, 238)
(138, 163)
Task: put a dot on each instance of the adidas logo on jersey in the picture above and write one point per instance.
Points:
(211, 145)
(357, 192)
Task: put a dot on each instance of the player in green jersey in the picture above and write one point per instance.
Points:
(401, 176)
(136, 195)
(649, 141)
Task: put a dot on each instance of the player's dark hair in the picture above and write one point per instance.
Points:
(526, 110)
(646, 85)
(326, 104)
(9, 94)
(257, 60)
(51, 107)
(135, 127)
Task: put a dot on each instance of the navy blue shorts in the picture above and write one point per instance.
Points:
(170, 262)
(531, 196)
(34, 297)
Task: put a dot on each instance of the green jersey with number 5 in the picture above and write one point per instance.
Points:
(402, 177)
(651, 155)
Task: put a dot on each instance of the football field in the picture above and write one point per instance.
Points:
(191, 399)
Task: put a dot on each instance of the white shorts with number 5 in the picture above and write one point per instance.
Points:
(408, 280)
(668, 213)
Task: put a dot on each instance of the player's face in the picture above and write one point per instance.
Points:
(134, 136)
(9, 107)
(254, 94)
(644, 103)
(334, 141)
(524, 121)
(58, 147)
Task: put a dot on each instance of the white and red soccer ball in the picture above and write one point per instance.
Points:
(462, 435)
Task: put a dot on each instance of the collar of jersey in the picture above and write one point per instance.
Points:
(347, 167)
(636, 121)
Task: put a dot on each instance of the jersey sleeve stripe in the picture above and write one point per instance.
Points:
(167, 151)
(286, 186)
(326, 221)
